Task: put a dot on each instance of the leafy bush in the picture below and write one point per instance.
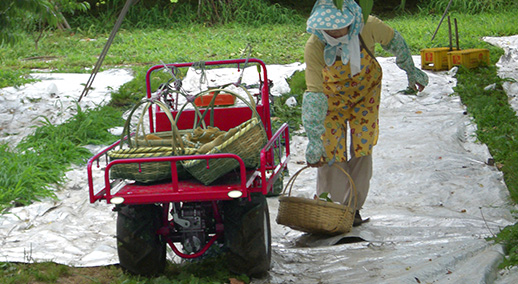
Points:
(18, 15)
(153, 14)
(468, 6)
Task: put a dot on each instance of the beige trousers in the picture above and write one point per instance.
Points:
(333, 180)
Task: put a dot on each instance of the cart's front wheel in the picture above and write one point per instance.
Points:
(141, 250)
(248, 236)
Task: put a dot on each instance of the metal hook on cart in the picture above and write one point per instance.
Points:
(249, 48)
(199, 69)
(166, 89)
(177, 83)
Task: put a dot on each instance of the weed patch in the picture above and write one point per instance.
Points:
(14, 78)
(508, 237)
(41, 159)
(497, 128)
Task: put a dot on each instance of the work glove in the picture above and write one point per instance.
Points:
(417, 79)
(314, 110)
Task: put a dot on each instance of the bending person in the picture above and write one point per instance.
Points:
(343, 92)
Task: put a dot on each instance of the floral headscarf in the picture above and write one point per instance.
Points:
(325, 16)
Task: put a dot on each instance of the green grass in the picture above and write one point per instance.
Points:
(497, 127)
(61, 51)
(279, 44)
(208, 271)
(41, 159)
(25, 176)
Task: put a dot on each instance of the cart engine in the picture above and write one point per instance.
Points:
(194, 223)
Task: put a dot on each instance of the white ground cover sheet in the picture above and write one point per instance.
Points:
(508, 65)
(433, 198)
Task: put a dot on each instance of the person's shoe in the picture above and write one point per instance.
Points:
(358, 219)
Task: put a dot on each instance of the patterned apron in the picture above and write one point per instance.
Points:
(354, 99)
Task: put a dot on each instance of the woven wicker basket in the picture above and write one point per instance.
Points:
(164, 140)
(316, 216)
(246, 142)
(147, 172)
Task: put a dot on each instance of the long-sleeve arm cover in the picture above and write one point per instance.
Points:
(399, 48)
(314, 109)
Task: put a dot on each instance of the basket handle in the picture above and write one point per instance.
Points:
(176, 140)
(211, 104)
(190, 100)
(216, 91)
(250, 97)
(126, 130)
(291, 182)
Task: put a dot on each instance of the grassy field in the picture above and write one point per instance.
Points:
(77, 51)
(65, 51)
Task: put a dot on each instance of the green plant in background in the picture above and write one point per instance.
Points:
(163, 13)
(249, 11)
(290, 113)
(131, 92)
(365, 4)
(468, 6)
(18, 15)
(83, 128)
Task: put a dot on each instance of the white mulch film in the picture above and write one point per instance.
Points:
(433, 198)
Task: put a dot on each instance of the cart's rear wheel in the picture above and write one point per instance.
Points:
(141, 250)
(248, 236)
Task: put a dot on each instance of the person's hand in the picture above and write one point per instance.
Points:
(420, 87)
(317, 164)
(417, 79)
(412, 90)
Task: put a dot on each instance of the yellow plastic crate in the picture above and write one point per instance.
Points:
(435, 58)
(469, 58)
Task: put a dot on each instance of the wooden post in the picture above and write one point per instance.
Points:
(456, 33)
(449, 33)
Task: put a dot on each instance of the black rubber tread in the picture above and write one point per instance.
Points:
(141, 250)
(248, 236)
